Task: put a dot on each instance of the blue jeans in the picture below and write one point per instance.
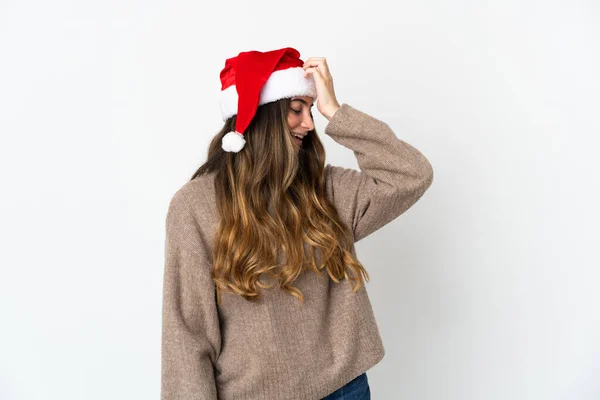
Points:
(356, 389)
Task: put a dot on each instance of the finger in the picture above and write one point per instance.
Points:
(315, 71)
(317, 75)
(308, 70)
(310, 59)
(322, 66)
(313, 61)
(309, 64)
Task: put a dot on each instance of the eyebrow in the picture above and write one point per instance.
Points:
(303, 101)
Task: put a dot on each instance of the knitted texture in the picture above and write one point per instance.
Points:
(277, 347)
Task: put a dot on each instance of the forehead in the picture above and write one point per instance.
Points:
(303, 99)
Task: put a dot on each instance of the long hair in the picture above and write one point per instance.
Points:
(271, 197)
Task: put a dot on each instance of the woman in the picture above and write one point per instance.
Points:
(263, 294)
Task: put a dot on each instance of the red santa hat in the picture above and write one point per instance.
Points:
(254, 78)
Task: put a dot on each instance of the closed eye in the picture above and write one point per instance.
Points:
(304, 102)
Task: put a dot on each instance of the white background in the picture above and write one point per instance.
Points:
(486, 289)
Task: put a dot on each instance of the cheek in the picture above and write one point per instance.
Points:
(294, 120)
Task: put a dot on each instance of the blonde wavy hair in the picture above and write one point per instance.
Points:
(270, 170)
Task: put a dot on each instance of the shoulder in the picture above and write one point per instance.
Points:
(192, 196)
(191, 214)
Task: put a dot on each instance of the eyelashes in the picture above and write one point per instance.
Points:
(298, 112)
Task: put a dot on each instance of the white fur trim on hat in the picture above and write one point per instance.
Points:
(233, 142)
(288, 82)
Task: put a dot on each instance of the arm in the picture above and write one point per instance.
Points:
(191, 338)
(393, 175)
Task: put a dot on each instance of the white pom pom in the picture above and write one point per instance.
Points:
(233, 142)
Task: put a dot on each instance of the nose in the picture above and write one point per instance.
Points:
(307, 122)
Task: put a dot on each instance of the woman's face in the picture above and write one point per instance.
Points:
(299, 119)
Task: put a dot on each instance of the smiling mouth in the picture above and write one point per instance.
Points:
(297, 139)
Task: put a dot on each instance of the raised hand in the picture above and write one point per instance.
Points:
(327, 104)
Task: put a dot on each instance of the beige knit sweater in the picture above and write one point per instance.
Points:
(278, 348)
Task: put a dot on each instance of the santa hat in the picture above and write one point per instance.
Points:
(254, 78)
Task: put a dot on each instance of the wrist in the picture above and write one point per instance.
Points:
(331, 113)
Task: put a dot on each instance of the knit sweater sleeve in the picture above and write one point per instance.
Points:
(191, 336)
(393, 174)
